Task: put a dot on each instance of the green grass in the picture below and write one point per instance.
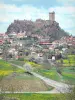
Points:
(68, 74)
(69, 69)
(52, 74)
(33, 64)
(18, 62)
(33, 96)
(69, 78)
(70, 61)
(26, 77)
(21, 63)
(6, 68)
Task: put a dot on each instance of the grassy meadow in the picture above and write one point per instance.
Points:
(6, 68)
(68, 62)
(34, 96)
(67, 74)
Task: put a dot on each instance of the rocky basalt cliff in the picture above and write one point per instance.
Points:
(45, 28)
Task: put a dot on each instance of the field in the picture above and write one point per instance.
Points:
(23, 83)
(18, 80)
(52, 73)
(6, 68)
(67, 74)
(67, 71)
(18, 62)
(70, 61)
(32, 96)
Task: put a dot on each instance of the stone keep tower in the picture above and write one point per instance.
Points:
(52, 16)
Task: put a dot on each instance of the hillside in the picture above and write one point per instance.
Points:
(45, 28)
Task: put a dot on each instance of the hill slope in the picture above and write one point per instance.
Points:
(45, 28)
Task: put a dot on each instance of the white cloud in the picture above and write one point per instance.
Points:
(9, 8)
(10, 12)
(65, 16)
(64, 10)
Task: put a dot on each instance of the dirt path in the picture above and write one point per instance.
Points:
(59, 87)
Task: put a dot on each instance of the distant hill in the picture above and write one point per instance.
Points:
(45, 28)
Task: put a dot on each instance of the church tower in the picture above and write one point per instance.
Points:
(52, 16)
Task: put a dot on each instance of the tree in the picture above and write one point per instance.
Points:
(5, 50)
(2, 92)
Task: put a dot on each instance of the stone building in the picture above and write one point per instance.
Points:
(52, 16)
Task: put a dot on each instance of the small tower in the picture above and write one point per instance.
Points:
(52, 16)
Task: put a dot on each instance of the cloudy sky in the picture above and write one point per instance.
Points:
(34, 9)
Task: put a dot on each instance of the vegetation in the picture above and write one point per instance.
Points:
(45, 29)
(6, 68)
(18, 80)
(35, 96)
(52, 73)
(33, 64)
(18, 62)
(69, 61)
(67, 74)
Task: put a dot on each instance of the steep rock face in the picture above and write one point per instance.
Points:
(45, 28)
